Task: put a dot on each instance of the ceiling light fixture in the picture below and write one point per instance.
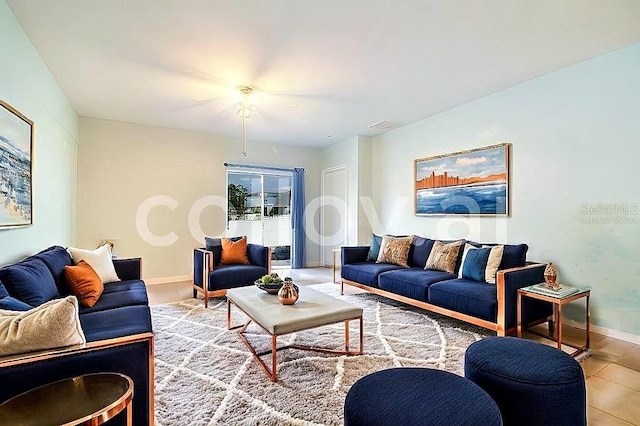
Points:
(245, 110)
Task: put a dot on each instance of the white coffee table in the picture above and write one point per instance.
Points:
(313, 309)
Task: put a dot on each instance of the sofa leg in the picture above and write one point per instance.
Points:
(551, 327)
(195, 293)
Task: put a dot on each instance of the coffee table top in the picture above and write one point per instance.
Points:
(313, 309)
(70, 401)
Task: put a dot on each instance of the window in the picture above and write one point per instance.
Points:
(259, 206)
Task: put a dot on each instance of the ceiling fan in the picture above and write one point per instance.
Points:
(245, 110)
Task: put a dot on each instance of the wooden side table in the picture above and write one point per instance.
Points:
(557, 302)
(91, 399)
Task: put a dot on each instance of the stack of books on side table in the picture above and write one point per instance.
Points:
(560, 292)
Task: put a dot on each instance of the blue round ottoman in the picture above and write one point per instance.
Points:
(532, 383)
(418, 396)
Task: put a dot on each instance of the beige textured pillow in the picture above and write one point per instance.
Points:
(53, 324)
(443, 256)
(395, 250)
(99, 259)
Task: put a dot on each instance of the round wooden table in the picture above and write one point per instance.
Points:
(91, 399)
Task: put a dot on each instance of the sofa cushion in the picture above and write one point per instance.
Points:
(56, 258)
(514, 256)
(395, 250)
(420, 250)
(100, 260)
(118, 295)
(84, 283)
(366, 272)
(234, 252)
(444, 256)
(481, 264)
(53, 324)
(374, 248)
(412, 283)
(466, 296)
(9, 303)
(230, 276)
(117, 322)
(29, 281)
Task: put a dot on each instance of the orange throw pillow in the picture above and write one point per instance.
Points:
(234, 252)
(84, 283)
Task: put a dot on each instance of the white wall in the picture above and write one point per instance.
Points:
(27, 85)
(576, 143)
(122, 166)
(356, 154)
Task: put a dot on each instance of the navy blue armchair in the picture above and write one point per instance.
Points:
(213, 279)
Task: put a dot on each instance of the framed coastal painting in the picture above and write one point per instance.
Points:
(474, 182)
(16, 167)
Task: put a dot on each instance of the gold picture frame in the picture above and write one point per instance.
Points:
(16, 167)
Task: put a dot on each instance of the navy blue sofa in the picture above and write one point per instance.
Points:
(213, 279)
(487, 305)
(117, 328)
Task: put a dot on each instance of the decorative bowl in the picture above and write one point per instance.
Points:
(272, 288)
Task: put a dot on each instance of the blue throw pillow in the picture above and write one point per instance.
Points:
(29, 281)
(10, 304)
(475, 264)
(374, 248)
(481, 264)
(3, 291)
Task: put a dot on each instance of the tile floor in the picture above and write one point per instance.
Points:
(612, 372)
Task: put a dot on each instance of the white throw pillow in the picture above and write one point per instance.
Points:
(99, 259)
(53, 324)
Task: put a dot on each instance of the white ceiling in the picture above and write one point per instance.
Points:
(345, 63)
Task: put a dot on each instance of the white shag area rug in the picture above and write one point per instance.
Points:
(205, 375)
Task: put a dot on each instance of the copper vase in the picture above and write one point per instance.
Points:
(288, 294)
(550, 275)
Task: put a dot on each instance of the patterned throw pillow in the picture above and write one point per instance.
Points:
(443, 256)
(234, 252)
(481, 264)
(395, 250)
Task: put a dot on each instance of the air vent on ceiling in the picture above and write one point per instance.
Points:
(384, 125)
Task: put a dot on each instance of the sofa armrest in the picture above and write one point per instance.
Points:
(130, 355)
(128, 269)
(202, 265)
(354, 254)
(259, 255)
(508, 282)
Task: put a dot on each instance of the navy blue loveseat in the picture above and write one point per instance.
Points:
(117, 328)
(487, 305)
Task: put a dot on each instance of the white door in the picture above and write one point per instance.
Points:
(334, 211)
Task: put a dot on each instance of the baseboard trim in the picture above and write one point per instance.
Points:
(616, 334)
(166, 280)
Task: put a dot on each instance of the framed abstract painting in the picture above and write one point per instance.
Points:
(474, 182)
(16, 167)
